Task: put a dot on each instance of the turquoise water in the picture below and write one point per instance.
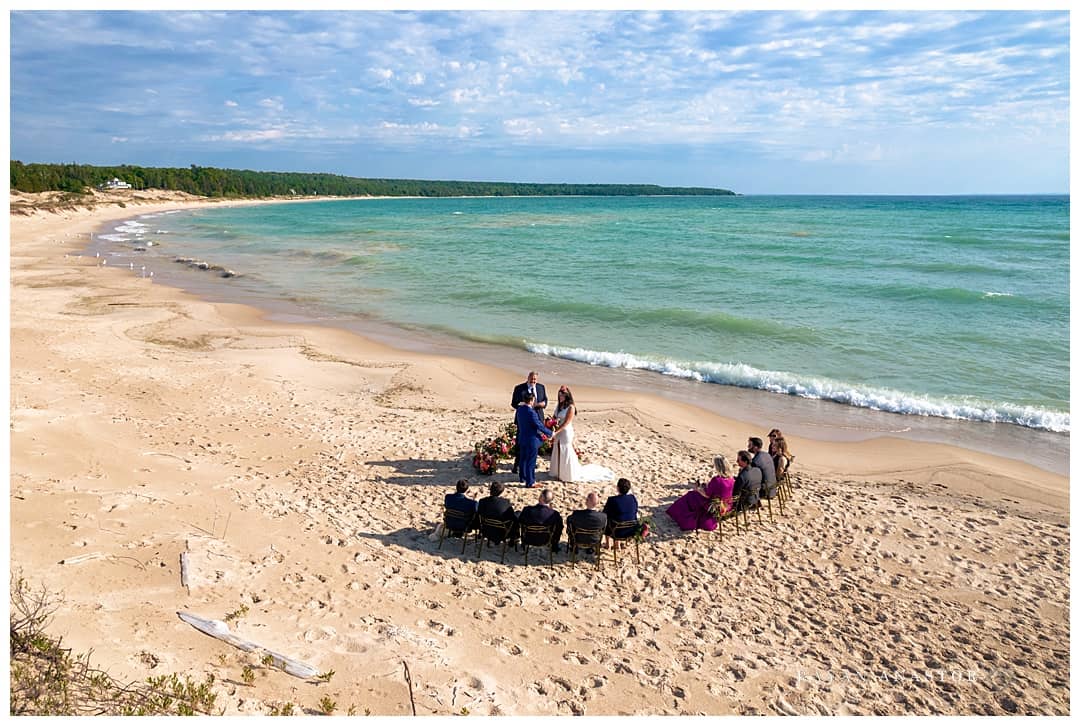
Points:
(945, 306)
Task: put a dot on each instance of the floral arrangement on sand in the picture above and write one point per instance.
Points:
(488, 452)
(644, 527)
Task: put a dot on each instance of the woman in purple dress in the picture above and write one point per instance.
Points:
(691, 510)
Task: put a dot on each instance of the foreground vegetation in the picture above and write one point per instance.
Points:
(212, 182)
(47, 680)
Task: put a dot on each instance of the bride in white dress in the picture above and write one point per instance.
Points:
(565, 465)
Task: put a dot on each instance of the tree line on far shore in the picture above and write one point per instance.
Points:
(212, 182)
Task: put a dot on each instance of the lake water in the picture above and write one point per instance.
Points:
(948, 307)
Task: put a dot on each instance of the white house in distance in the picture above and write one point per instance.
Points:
(114, 183)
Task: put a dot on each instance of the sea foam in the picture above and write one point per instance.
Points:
(878, 399)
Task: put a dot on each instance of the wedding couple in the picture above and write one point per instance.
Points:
(529, 400)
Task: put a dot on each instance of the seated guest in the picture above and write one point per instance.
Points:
(587, 518)
(497, 507)
(543, 513)
(461, 501)
(763, 461)
(621, 507)
(773, 436)
(781, 456)
(747, 483)
(691, 510)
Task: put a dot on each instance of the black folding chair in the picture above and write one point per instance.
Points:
(538, 535)
(769, 500)
(731, 515)
(495, 531)
(584, 539)
(456, 523)
(745, 510)
(785, 487)
(619, 533)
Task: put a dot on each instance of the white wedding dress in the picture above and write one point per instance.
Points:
(565, 465)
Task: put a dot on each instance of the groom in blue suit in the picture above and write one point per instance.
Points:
(529, 428)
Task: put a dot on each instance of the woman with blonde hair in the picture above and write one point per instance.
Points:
(691, 510)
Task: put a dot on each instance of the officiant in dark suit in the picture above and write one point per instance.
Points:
(531, 385)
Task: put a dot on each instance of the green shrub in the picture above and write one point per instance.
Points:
(47, 680)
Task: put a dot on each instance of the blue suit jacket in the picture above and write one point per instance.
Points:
(529, 428)
(460, 502)
(621, 508)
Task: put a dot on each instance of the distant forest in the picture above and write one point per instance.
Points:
(208, 181)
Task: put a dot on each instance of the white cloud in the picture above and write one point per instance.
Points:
(521, 127)
(231, 104)
(889, 31)
(416, 79)
(275, 104)
(250, 136)
(118, 139)
(842, 153)
(423, 102)
(426, 126)
(465, 95)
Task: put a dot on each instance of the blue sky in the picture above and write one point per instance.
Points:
(759, 102)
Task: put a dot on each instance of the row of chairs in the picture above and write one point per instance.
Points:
(497, 531)
(784, 492)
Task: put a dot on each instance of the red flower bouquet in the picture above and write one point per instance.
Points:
(488, 452)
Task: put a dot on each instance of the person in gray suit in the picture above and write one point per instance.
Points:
(763, 461)
(747, 482)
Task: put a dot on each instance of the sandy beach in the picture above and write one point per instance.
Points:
(300, 471)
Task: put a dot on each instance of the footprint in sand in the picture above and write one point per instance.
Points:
(562, 683)
(505, 646)
(484, 613)
(691, 660)
(438, 627)
(738, 673)
(556, 625)
(575, 657)
(650, 668)
(324, 632)
(575, 708)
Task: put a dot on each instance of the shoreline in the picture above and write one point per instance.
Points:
(818, 420)
(300, 470)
